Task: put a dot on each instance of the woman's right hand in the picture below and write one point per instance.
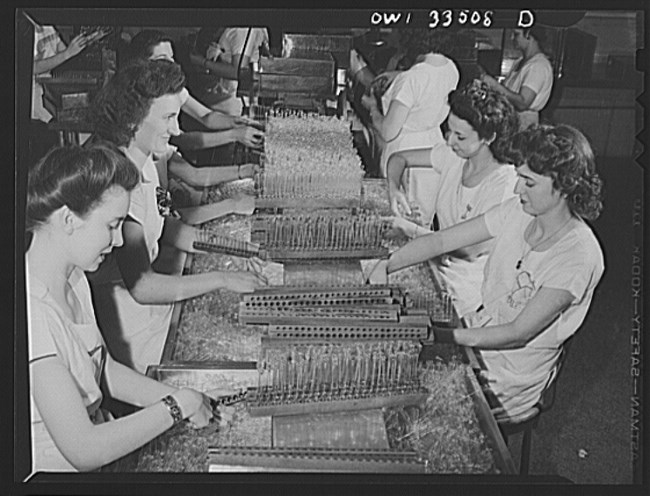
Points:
(250, 136)
(195, 406)
(77, 45)
(243, 282)
(399, 204)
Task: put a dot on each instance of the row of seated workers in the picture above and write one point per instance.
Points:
(499, 202)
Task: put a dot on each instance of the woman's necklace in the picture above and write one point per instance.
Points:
(539, 243)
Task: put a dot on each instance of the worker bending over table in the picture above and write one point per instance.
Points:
(138, 112)
(475, 177)
(77, 201)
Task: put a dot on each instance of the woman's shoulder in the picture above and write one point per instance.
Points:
(585, 241)
(581, 247)
(538, 61)
(503, 173)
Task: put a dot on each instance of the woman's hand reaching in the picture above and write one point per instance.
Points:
(250, 136)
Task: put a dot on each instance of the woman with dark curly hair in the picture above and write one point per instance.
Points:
(217, 128)
(475, 177)
(543, 268)
(138, 111)
(414, 103)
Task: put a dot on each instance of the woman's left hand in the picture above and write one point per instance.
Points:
(248, 170)
(241, 121)
(243, 204)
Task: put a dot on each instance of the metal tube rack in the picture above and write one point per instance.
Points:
(266, 402)
(212, 242)
(336, 377)
(334, 235)
(313, 190)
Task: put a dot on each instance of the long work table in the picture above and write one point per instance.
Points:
(209, 349)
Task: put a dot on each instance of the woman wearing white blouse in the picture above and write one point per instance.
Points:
(475, 178)
(541, 274)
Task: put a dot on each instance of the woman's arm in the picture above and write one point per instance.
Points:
(129, 386)
(539, 312)
(180, 235)
(64, 53)
(150, 287)
(212, 119)
(88, 446)
(396, 164)
(390, 125)
(244, 205)
(221, 69)
(431, 245)
(199, 140)
(201, 177)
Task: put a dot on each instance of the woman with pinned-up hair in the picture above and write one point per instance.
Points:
(542, 271)
(476, 177)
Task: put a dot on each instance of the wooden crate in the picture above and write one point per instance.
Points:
(280, 76)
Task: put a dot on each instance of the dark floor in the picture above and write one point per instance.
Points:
(587, 436)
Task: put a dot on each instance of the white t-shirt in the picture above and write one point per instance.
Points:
(135, 333)
(462, 271)
(537, 74)
(574, 263)
(80, 347)
(423, 89)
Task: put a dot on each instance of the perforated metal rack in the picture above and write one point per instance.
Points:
(295, 334)
(329, 306)
(233, 458)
